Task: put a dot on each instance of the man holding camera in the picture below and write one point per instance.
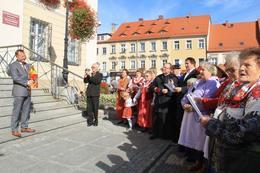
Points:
(93, 78)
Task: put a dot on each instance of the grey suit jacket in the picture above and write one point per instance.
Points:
(20, 79)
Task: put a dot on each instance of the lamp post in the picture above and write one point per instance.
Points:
(65, 59)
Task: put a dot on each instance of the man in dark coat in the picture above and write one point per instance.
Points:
(93, 92)
(162, 100)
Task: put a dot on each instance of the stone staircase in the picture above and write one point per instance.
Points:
(50, 114)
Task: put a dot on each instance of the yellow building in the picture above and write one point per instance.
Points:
(151, 43)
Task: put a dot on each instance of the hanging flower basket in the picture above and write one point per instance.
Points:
(51, 3)
(82, 22)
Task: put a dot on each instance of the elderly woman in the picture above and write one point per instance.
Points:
(236, 123)
(192, 134)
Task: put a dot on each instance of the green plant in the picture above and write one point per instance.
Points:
(108, 99)
(82, 22)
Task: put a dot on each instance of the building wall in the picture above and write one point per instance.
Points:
(11, 35)
(159, 55)
(34, 9)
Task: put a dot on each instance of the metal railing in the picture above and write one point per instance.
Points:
(49, 73)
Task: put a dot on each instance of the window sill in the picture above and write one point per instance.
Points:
(73, 63)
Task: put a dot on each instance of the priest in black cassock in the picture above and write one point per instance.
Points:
(162, 100)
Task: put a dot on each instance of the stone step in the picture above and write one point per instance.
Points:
(37, 117)
(6, 81)
(43, 126)
(38, 107)
(35, 92)
(42, 108)
(7, 101)
(6, 86)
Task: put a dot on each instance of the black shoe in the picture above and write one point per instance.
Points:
(95, 123)
(89, 124)
(120, 122)
(153, 137)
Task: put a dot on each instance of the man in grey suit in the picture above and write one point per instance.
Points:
(19, 71)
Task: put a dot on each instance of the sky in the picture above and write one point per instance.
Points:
(120, 11)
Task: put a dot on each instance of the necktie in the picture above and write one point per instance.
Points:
(24, 67)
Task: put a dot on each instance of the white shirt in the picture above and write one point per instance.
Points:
(187, 74)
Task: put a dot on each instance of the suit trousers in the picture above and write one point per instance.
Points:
(92, 108)
(21, 112)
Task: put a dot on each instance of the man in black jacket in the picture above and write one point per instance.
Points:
(93, 92)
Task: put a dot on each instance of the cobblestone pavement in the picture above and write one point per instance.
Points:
(172, 161)
(81, 149)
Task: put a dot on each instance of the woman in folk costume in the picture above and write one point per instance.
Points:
(144, 119)
(137, 82)
(192, 133)
(122, 86)
(235, 126)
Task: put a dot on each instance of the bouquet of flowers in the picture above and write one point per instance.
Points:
(33, 76)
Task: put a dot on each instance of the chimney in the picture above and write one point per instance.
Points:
(226, 23)
(188, 16)
(113, 27)
(141, 19)
(160, 17)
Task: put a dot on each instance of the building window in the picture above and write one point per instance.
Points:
(142, 45)
(122, 65)
(213, 60)
(73, 52)
(153, 44)
(40, 38)
(132, 47)
(176, 45)
(104, 50)
(189, 44)
(102, 37)
(201, 60)
(113, 49)
(177, 61)
(153, 63)
(113, 65)
(164, 45)
(164, 61)
(97, 51)
(123, 48)
(104, 66)
(132, 64)
(201, 43)
(142, 63)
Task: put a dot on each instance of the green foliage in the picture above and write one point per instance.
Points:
(83, 23)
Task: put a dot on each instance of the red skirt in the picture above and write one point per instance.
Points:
(127, 112)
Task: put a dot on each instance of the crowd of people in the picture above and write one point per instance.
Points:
(220, 132)
(223, 134)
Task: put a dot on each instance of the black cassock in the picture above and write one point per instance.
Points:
(162, 104)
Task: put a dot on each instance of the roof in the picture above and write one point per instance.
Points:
(162, 28)
(233, 36)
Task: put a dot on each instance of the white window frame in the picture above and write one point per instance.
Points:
(188, 44)
(153, 46)
(123, 48)
(142, 47)
(104, 66)
(133, 47)
(201, 43)
(104, 50)
(113, 49)
(142, 63)
(164, 45)
(122, 64)
(153, 63)
(132, 64)
(113, 65)
(177, 45)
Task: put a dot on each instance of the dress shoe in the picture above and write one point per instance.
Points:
(17, 134)
(195, 167)
(153, 137)
(95, 123)
(27, 130)
(120, 122)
